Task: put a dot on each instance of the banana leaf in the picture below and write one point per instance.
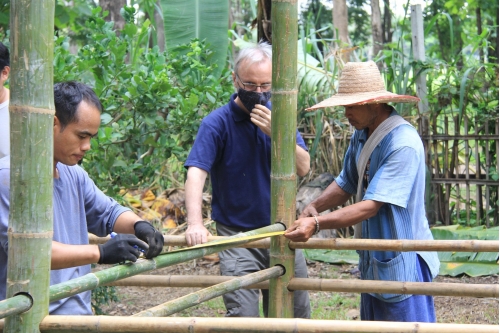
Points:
(470, 263)
(201, 19)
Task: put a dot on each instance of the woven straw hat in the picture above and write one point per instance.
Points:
(361, 83)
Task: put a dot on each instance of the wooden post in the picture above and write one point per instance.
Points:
(31, 174)
(417, 33)
(283, 169)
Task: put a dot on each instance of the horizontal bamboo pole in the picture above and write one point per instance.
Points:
(340, 285)
(401, 245)
(15, 305)
(93, 280)
(101, 324)
(235, 283)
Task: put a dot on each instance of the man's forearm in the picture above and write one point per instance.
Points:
(302, 161)
(65, 255)
(333, 196)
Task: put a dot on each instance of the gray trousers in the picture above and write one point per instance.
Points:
(242, 261)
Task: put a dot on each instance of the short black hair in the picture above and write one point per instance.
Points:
(68, 95)
(4, 56)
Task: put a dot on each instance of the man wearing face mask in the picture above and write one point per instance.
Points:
(234, 145)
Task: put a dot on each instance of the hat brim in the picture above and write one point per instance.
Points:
(364, 98)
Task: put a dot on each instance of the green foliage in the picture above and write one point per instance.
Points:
(103, 295)
(470, 263)
(153, 101)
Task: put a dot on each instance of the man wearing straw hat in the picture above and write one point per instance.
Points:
(384, 167)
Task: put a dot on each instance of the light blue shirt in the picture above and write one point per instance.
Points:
(79, 207)
(396, 178)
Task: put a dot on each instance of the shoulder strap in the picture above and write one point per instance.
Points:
(380, 132)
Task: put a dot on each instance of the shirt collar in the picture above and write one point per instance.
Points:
(238, 113)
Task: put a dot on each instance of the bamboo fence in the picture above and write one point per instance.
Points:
(340, 285)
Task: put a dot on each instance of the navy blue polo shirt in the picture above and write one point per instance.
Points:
(237, 155)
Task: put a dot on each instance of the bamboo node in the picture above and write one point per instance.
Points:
(30, 235)
(30, 109)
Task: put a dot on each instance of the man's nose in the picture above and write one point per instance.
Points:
(86, 145)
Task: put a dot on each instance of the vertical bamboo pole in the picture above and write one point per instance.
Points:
(31, 122)
(283, 170)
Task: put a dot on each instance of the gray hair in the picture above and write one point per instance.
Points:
(254, 54)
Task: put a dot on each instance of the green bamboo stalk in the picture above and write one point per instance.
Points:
(93, 280)
(31, 174)
(181, 303)
(283, 141)
(15, 305)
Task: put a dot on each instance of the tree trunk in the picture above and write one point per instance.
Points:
(160, 28)
(340, 23)
(31, 174)
(264, 25)
(386, 32)
(378, 40)
(283, 169)
(114, 6)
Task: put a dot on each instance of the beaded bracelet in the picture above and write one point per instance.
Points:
(317, 225)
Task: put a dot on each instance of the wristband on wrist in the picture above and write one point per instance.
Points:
(317, 225)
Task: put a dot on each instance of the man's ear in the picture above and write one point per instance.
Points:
(5, 73)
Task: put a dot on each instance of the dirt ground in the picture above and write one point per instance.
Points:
(465, 310)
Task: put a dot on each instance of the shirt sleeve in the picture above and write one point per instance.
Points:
(206, 148)
(101, 211)
(300, 141)
(400, 168)
(348, 177)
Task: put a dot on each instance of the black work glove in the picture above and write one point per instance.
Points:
(146, 232)
(120, 248)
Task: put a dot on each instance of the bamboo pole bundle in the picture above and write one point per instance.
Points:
(402, 245)
(15, 305)
(87, 324)
(232, 284)
(283, 148)
(339, 285)
(31, 111)
(92, 280)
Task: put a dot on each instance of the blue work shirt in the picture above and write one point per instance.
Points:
(397, 178)
(237, 155)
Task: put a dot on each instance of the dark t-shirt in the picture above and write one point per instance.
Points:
(237, 154)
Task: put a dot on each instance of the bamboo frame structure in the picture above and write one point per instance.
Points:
(283, 146)
(92, 280)
(340, 285)
(220, 289)
(31, 113)
(88, 324)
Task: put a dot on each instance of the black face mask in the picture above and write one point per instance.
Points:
(250, 98)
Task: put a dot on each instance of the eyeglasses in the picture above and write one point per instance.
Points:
(253, 86)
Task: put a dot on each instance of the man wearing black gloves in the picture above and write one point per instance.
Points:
(79, 206)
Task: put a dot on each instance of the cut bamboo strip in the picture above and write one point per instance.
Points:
(15, 305)
(232, 284)
(93, 280)
(340, 285)
(80, 324)
(402, 245)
